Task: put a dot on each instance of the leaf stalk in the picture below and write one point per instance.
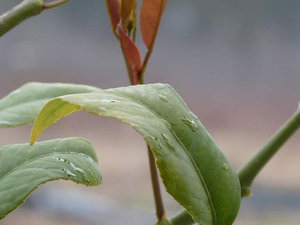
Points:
(250, 170)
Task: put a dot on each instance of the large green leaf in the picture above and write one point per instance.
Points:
(22, 105)
(193, 169)
(24, 167)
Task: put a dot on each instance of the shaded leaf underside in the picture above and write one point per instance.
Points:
(25, 167)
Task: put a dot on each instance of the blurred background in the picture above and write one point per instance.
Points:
(235, 63)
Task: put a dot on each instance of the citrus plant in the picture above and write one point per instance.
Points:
(192, 167)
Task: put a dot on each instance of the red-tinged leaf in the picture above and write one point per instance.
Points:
(151, 11)
(132, 56)
(127, 12)
(113, 9)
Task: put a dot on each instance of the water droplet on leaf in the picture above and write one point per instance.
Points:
(225, 166)
(190, 123)
(109, 100)
(166, 140)
(167, 124)
(68, 173)
(163, 98)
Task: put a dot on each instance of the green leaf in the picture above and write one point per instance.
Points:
(24, 168)
(163, 221)
(193, 169)
(21, 106)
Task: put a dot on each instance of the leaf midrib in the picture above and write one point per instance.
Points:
(177, 139)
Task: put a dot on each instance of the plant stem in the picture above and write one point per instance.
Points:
(160, 211)
(23, 11)
(19, 13)
(182, 218)
(159, 206)
(250, 170)
(145, 62)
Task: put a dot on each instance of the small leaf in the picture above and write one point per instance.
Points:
(24, 168)
(128, 14)
(21, 106)
(113, 9)
(131, 55)
(193, 169)
(150, 15)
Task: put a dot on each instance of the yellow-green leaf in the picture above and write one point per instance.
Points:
(21, 106)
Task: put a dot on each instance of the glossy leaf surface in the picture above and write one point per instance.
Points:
(21, 106)
(150, 15)
(193, 169)
(24, 168)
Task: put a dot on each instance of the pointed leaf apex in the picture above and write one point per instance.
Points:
(150, 15)
(113, 9)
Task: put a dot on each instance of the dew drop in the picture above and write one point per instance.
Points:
(163, 98)
(167, 124)
(59, 159)
(154, 138)
(190, 123)
(68, 173)
(225, 166)
(109, 100)
(167, 142)
(79, 170)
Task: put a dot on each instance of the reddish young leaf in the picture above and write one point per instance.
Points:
(113, 9)
(127, 10)
(151, 11)
(132, 56)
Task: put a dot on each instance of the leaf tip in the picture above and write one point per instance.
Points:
(32, 138)
(113, 9)
(150, 15)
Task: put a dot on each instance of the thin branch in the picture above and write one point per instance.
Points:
(250, 170)
(19, 13)
(53, 4)
(144, 65)
(160, 211)
(23, 11)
